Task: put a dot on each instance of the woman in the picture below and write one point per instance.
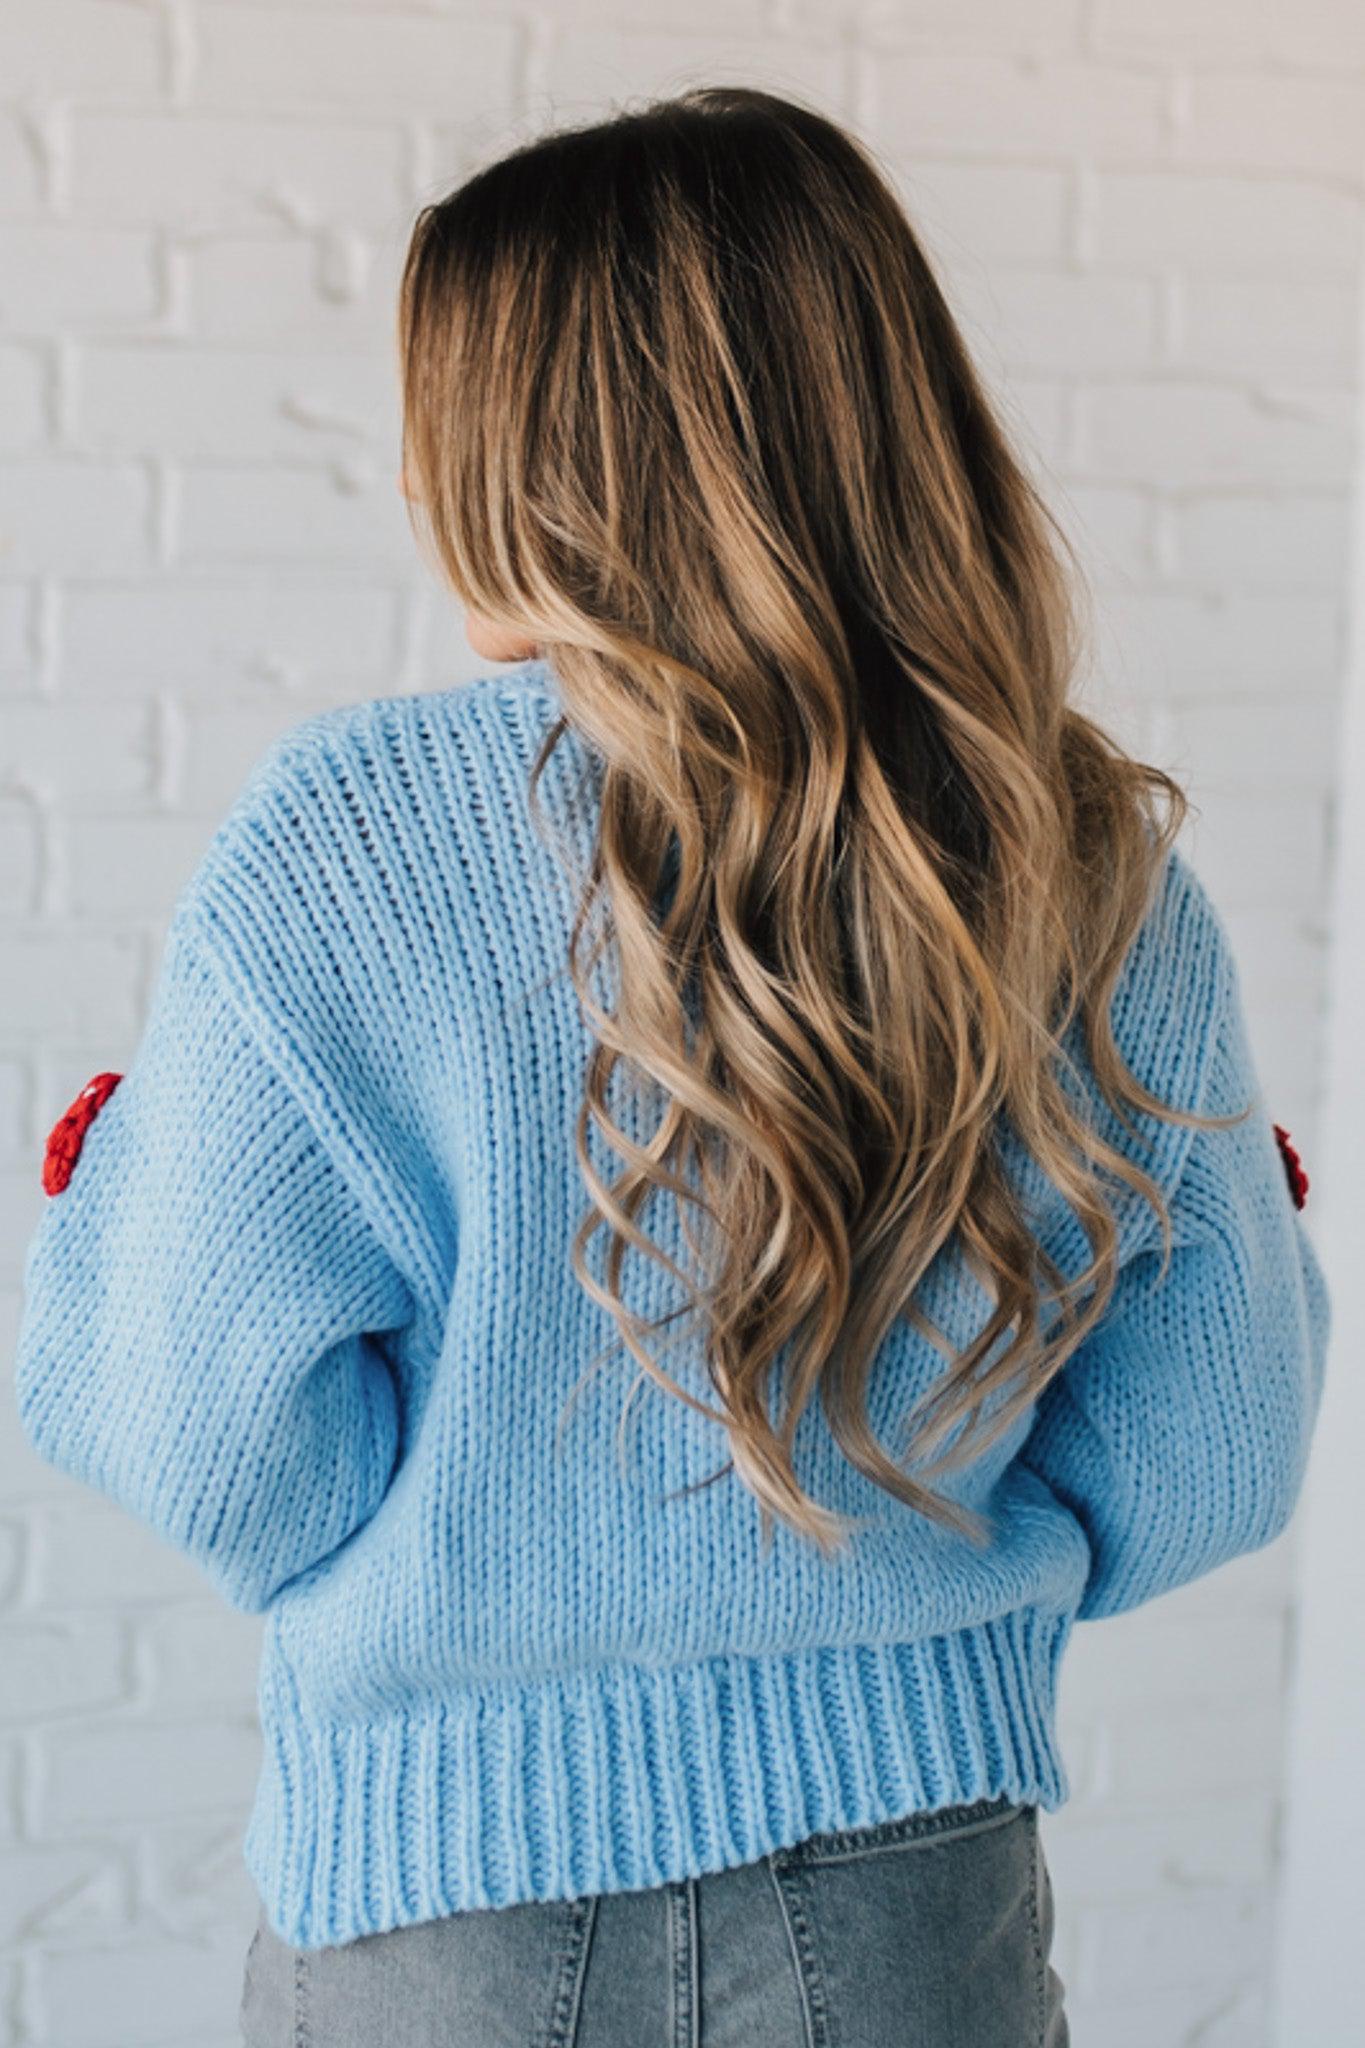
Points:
(687, 1207)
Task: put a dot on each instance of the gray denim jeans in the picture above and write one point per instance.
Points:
(933, 1930)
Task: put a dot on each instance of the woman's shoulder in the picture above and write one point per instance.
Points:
(358, 758)
(503, 697)
(1179, 970)
(348, 791)
(1174, 992)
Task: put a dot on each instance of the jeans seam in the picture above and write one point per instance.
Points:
(1039, 1967)
(680, 1905)
(303, 2031)
(573, 1963)
(921, 1824)
(810, 1982)
(802, 1854)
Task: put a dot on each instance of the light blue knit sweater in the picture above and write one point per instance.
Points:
(305, 1307)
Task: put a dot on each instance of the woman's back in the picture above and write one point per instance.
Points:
(511, 1656)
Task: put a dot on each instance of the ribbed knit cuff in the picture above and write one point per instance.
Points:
(630, 1775)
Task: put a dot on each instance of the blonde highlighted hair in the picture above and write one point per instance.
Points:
(684, 405)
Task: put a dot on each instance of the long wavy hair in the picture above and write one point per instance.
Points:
(684, 405)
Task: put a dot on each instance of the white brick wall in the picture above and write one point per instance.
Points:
(1149, 215)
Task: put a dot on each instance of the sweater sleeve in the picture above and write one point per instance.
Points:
(205, 1305)
(1178, 1432)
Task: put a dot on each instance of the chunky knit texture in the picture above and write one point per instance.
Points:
(304, 1305)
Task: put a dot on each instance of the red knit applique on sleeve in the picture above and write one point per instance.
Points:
(68, 1133)
(1293, 1166)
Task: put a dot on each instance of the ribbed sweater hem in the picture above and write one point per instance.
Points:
(626, 1776)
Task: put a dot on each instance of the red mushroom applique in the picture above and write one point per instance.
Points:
(68, 1133)
(1293, 1166)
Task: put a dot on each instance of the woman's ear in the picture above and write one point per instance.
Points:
(497, 643)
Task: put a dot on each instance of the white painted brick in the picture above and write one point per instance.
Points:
(122, 867)
(1193, 2016)
(1050, 320)
(1286, 1032)
(79, 47)
(587, 68)
(20, 855)
(128, 1773)
(1173, 638)
(200, 637)
(265, 57)
(55, 1665)
(12, 1104)
(220, 746)
(15, 612)
(1106, 1857)
(200, 1658)
(1268, 120)
(1294, 541)
(105, 753)
(1318, 32)
(1222, 745)
(665, 14)
(19, 1199)
(1112, 695)
(339, 290)
(1214, 1936)
(1263, 849)
(10, 1775)
(58, 274)
(13, 1561)
(263, 515)
(1157, 1658)
(60, 514)
(90, 1554)
(1086, 1761)
(1233, 325)
(1233, 32)
(443, 656)
(227, 173)
(1178, 434)
(71, 1890)
(991, 24)
(1259, 224)
(60, 981)
(1165, 1754)
(1035, 413)
(1113, 529)
(13, 1981)
(979, 214)
(322, 8)
(193, 1881)
(24, 1476)
(1004, 107)
(1243, 2021)
(143, 1988)
(23, 407)
(21, 182)
(1292, 1092)
(234, 403)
